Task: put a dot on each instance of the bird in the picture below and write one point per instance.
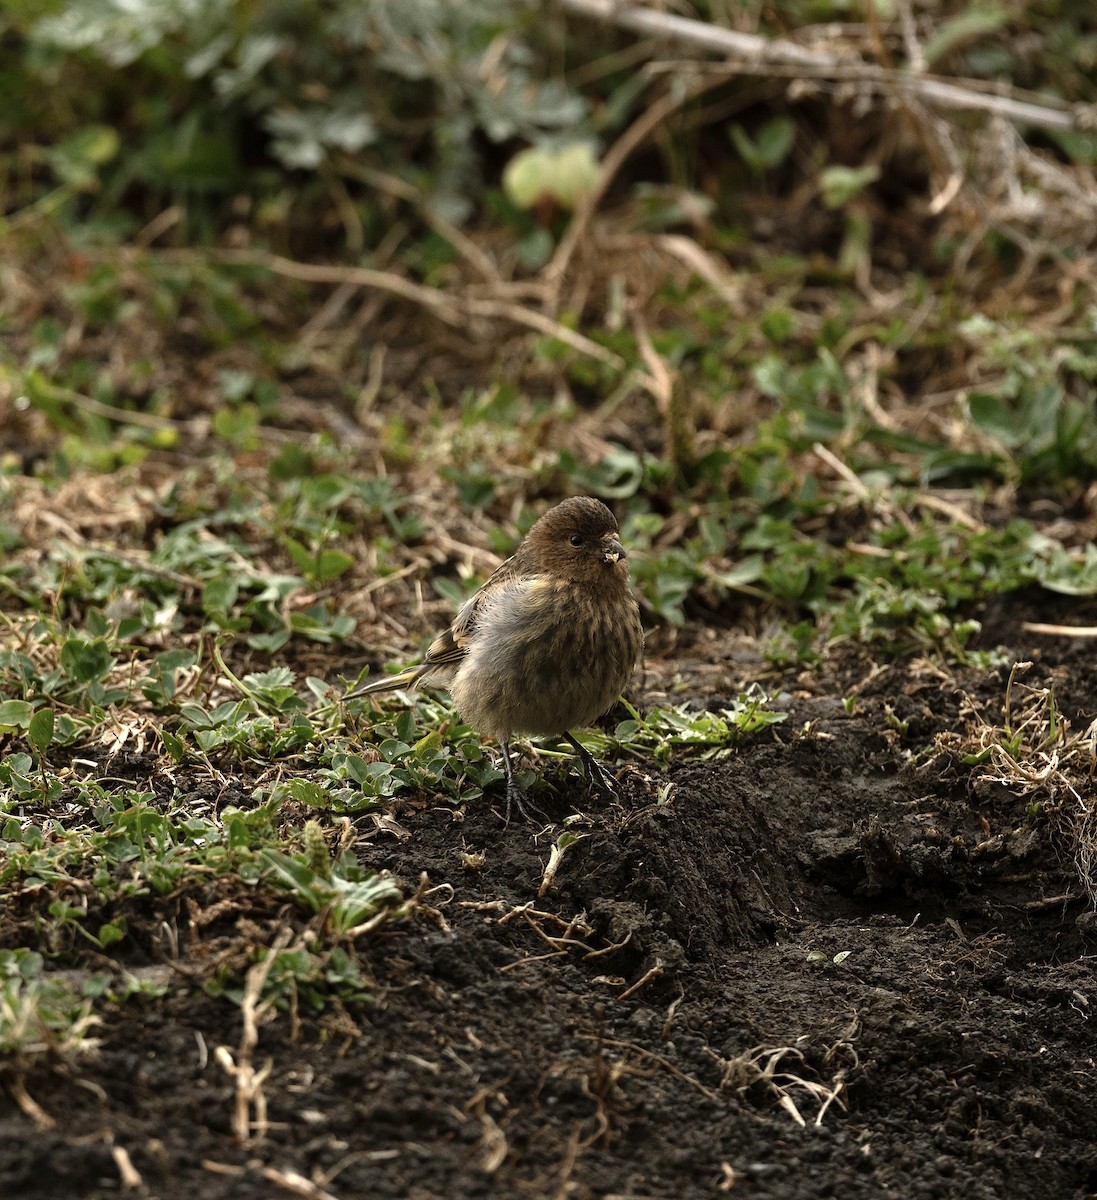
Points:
(547, 643)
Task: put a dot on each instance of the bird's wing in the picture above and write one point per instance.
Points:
(452, 644)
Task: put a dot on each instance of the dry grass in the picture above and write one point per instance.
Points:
(1036, 754)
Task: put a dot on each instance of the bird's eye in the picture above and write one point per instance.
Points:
(575, 539)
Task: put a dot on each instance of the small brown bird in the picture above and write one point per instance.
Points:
(548, 643)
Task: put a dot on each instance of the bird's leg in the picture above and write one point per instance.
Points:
(597, 775)
(515, 797)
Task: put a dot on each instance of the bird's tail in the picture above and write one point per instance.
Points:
(387, 683)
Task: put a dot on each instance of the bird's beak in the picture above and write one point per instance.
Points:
(615, 552)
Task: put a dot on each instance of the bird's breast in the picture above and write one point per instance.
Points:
(547, 656)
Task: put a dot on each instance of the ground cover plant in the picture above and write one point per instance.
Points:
(307, 314)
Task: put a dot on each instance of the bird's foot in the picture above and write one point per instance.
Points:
(598, 777)
(517, 799)
(602, 779)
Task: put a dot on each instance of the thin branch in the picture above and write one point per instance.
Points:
(748, 46)
(125, 416)
(1074, 631)
(752, 54)
(393, 185)
(546, 325)
(451, 310)
(444, 307)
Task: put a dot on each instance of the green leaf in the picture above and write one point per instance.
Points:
(576, 174)
(301, 555)
(968, 26)
(109, 934)
(747, 570)
(839, 185)
(274, 688)
(175, 746)
(75, 159)
(296, 875)
(219, 595)
(1081, 146)
(996, 417)
(40, 731)
(235, 384)
(85, 661)
(309, 793)
(291, 462)
(15, 714)
(405, 725)
(566, 176)
(239, 425)
(427, 745)
(769, 148)
(330, 564)
(449, 590)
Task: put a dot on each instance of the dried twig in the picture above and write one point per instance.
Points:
(249, 1081)
(752, 54)
(393, 185)
(28, 1105)
(128, 1173)
(664, 1062)
(450, 309)
(650, 974)
(1074, 631)
(295, 1183)
(125, 416)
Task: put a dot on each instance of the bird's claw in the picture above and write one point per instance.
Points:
(598, 777)
(601, 779)
(517, 799)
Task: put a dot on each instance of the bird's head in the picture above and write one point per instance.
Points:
(578, 540)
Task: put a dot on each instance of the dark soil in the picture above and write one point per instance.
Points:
(828, 965)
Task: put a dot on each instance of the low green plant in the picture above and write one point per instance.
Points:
(347, 896)
(41, 1016)
(664, 733)
(314, 975)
